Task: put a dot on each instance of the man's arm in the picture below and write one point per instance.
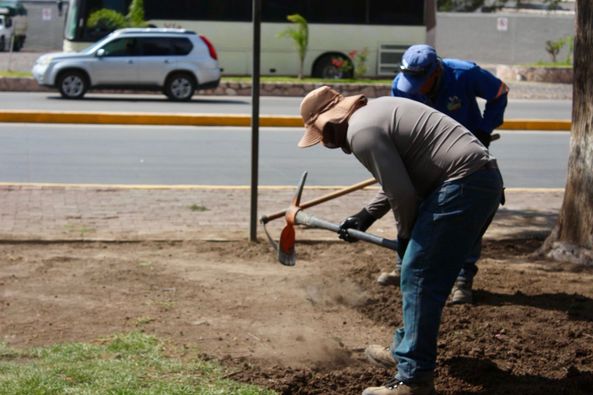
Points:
(495, 92)
(379, 205)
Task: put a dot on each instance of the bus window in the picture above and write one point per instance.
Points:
(336, 11)
(219, 10)
(400, 12)
(71, 21)
(278, 10)
(98, 32)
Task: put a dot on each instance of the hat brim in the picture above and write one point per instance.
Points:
(409, 83)
(311, 137)
(337, 114)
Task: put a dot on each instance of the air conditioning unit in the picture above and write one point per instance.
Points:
(390, 57)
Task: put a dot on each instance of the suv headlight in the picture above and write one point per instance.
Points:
(44, 60)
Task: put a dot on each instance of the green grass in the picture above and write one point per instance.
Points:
(16, 74)
(556, 65)
(294, 80)
(126, 364)
(198, 208)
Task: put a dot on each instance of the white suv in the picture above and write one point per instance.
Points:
(175, 61)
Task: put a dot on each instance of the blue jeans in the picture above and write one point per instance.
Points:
(468, 270)
(451, 220)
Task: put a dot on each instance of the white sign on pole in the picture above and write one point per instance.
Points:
(46, 14)
(502, 24)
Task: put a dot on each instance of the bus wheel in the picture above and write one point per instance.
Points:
(333, 66)
(180, 87)
(72, 84)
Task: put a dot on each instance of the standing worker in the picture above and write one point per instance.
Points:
(443, 188)
(450, 86)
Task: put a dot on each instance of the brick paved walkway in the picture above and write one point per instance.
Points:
(54, 213)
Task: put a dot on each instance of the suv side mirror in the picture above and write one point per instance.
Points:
(100, 53)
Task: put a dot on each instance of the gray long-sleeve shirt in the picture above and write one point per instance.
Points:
(411, 149)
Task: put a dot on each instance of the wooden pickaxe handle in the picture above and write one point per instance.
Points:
(264, 219)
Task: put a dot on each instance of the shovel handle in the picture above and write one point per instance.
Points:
(303, 218)
(264, 219)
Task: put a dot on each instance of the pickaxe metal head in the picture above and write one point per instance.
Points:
(294, 215)
(285, 247)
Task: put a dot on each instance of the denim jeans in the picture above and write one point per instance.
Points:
(469, 269)
(451, 220)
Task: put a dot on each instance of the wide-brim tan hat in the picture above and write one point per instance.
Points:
(321, 106)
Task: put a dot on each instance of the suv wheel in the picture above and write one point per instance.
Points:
(2, 44)
(180, 87)
(72, 85)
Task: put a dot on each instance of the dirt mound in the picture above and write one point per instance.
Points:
(302, 330)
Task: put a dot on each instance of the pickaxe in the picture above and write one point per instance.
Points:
(295, 216)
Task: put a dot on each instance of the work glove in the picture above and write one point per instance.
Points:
(402, 245)
(485, 138)
(359, 221)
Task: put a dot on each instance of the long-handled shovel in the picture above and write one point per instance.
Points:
(295, 215)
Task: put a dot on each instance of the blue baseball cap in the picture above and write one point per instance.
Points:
(418, 63)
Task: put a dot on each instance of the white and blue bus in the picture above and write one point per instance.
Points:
(382, 28)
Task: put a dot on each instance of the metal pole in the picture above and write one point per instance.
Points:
(255, 118)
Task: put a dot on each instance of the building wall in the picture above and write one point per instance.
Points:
(45, 26)
(482, 38)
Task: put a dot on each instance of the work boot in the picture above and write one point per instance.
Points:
(380, 356)
(389, 278)
(396, 387)
(462, 292)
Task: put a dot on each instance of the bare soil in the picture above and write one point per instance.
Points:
(301, 330)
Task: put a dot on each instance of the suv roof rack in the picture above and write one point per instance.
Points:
(160, 30)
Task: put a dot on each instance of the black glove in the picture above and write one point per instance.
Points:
(362, 220)
(485, 138)
(402, 245)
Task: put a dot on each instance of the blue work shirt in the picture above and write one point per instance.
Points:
(461, 82)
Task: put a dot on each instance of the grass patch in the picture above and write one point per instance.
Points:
(125, 364)
(16, 74)
(550, 65)
(81, 229)
(294, 80)
(198, 208)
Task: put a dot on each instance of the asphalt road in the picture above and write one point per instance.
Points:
(221, 156)
(537, 109)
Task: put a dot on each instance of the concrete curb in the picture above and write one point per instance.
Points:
(103, 118)
(226, 88)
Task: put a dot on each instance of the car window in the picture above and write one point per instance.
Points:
(155, 46)
(181, 45)
(121, 47)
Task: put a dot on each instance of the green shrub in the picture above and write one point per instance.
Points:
(105, 19)
(135, 15)
(300, 36)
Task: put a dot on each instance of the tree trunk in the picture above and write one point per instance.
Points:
(572, 238)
